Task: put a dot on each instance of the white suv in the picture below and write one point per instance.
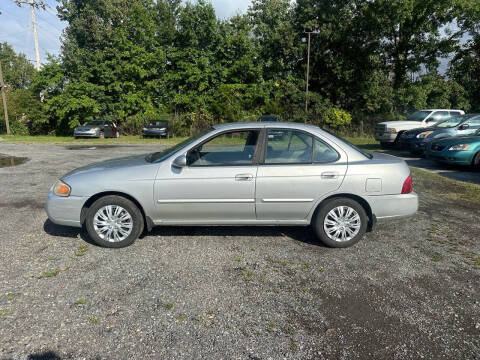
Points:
(388, 132)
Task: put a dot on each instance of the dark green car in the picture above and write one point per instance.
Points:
(464, 150)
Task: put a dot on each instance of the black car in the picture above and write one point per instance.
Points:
(268, 118)
(157, 128)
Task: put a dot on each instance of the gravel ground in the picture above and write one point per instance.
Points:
(409, 290)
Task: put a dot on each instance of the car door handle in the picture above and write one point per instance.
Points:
(329, 175)
(244, 177)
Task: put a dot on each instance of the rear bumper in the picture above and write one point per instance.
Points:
(393, 206)
(64, 210)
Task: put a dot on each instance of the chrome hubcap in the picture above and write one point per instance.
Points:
(113, 223)
(342, 223)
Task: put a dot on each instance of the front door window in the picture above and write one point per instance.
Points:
(228, 149)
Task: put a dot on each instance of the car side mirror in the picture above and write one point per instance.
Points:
(463, 127)
(180, 162)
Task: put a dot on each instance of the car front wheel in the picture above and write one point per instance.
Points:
(340, 222)
(476, 162)
(114, 221)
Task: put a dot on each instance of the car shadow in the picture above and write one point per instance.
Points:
(302, 234)
(66, 231)
(298, 233)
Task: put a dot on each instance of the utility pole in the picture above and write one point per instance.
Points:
(34, 4)
(309, 33)
(4, 99)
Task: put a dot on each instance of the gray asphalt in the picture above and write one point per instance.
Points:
(409, 290)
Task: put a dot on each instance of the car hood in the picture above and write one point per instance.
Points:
(130, 161)
(420, 130)
(402, 123)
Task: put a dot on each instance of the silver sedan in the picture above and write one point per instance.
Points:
(238, 174)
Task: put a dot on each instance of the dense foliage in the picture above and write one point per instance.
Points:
(136, 60)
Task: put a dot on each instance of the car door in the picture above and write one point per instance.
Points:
(296, 170)
(216, 186)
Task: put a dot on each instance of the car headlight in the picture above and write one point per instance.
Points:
(61, 189)
(391, 130)
(144, 129)
(424, 135)
(163, 129)
(459, 147)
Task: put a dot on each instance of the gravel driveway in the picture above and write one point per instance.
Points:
(409, 290)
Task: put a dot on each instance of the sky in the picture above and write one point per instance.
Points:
(17, 30)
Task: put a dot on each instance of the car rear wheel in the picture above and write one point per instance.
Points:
(340, 222)
(114, 221)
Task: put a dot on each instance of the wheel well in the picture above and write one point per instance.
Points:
(91, 200)
(371, 217)
(475, 157)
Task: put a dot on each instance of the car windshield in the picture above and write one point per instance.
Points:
(159, 124)
(162, 155)
(93, 123)
(454, 121)
(418, 115)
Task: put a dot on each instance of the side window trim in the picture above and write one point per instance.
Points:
(261, 159)
(254, 160)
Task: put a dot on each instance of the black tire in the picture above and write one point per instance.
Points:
(321, 214)
(476, 162)
(129, 206)
(416, 152)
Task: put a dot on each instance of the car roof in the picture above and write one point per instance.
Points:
(262, 124)
(440, 110)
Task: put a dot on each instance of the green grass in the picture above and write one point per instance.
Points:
(93, 319)
(50, 273)
(69, 139)
(425, 181)
(81, 250)
(168, 305)
(81, 301)
(365, 143)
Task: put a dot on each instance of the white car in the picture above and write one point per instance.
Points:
(388, 132)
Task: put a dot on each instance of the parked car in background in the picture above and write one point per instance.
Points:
(158, 128)
(268, 118)
(387, 132)
(416, 140)
(461, 150)
(97, 129)
(236, 174)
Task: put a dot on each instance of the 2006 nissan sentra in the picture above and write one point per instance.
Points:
(238, 174)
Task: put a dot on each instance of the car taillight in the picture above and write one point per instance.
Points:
(407, 187)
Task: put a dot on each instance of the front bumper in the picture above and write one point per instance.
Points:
(154, 132)
(451, 157)
(393, 206)
(64, 210)
(86, 134)
(385, 137)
